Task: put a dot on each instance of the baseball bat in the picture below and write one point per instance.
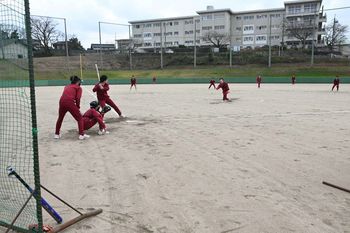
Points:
(44, 203)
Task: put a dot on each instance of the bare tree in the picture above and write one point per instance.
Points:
(217, 39)
(44, 30)
(300, 29)
(335, 34)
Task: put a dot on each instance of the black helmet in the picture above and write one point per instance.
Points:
(103, 78)
(94, 104)
(75, 79)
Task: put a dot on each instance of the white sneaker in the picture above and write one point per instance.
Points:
(57, 136)
(83, 137)
(103, 132)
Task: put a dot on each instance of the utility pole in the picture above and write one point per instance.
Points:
(161, 45)
(195, 45)
(313, 42)
(270, 43)
(130, 58)
(230, 46)
(100, 50)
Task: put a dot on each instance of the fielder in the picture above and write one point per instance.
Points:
(293, 79)
(336, 83)
(225, 89)
(212, 83)
(133, 82)
(258, 80)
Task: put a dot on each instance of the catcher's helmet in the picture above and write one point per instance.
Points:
(94, 104)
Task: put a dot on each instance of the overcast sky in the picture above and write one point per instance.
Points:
(83, 15)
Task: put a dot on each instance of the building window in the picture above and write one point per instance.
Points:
(248, 39)
(176, 43)
(147, 35)
(168, 43)
(137, 35)
(188, 32)
(147, 44)
(198, 31)
(219, 27)
(156, 25)
(238, 29)
(261, 16)
(188, 22)
(137, 26)
(156, 34)
(310, 7)
(238, 39)
(248, 28)
(275, 26)
(198, 41)
(260, 38)
(275, 15)
(207, 28)
(176, 33)
(189, 42)
(238, 17)
(197, 20)
(157, 44)
(207, 17)
(274, 37)
(248, 17)
(176, 23)
(147, 25)
(168, 33)
(294, 9)
(219, 16)
(261, 27)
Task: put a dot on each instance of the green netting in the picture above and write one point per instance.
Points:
(18, 139)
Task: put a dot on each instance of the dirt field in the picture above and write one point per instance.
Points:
(183, 161)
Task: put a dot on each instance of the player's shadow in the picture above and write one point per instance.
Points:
(224, 102)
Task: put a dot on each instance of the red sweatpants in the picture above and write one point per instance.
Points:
(70, 107)
(132, 86)
(335, 85)
(212, 84)
(110, 103)
(88, 123)
(224, 94)
(258, 85)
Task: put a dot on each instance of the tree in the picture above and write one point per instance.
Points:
(335, 34)
(4, 35)
(74, 43)
(44, 30)
(300, 29)
(217, 39)
(14, 35)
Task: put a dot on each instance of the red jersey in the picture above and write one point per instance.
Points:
(223, 86)
(72, 93)
(93, 114)
(101, 92)
(258, 79)
(212, 81)
(336, 81)
(133, 80)
(293, 78)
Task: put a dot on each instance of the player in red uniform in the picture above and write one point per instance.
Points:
(258, 80)
(154, 80)
(103, 98)
(293, 79)
(133, 82)
(212, 83)
(93, 116)
(70, 102)
(225, 89)
(336, 83)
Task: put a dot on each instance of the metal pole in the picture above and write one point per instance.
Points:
(100, 50)
(130, 58)
(195, 45)
(230, 46)
(270, 44)
(312, 45)
(161, 45)
(66, 39)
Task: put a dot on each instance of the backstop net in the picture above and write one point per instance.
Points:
(18, 130)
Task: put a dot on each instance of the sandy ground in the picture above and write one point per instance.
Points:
(184, 161)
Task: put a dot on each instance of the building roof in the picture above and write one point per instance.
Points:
(215, 11)
(102, 45)
(13, 41)
(301, 1)
(161, 19)
(258, 11)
